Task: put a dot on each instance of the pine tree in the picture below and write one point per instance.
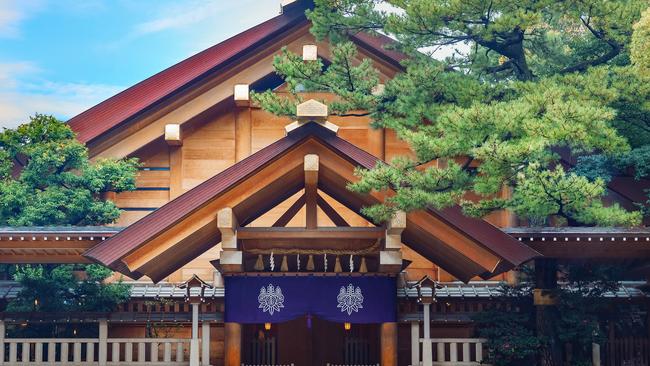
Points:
(529, 79)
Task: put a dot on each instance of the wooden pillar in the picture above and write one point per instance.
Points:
(175, 143)
(389, 344)
(194, 342)
(103, 342)
(175, 171)
(311, 190)
(243, 123)
(232, 353)
(415, 343)
(427, 351)
(205, 343)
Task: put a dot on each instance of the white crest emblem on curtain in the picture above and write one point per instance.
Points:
(350, 299)
(271, 299)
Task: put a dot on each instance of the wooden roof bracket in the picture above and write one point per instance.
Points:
(232, 260)
(390, 259)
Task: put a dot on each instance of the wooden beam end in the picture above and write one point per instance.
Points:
(226, 219)
(397, 224)
(309, 52)
(232, 261)
(242, 95)
(390, 261)
(311, 162)
(173, 134)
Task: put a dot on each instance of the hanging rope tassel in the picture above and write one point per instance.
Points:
(324, 262)
(337, 265)
(351, 263)
(363, 268)
(284, 267)
(310, 263)
(259, 263)
(298, 262)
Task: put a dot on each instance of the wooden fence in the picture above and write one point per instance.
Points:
(90, 351)
(627, 352)
(453, 351)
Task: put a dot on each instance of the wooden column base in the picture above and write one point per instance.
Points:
(232, 354)
(388, 344)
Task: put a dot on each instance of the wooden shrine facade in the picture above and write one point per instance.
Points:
(228, 192)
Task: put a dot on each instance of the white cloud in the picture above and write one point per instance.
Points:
(13, 13)
(175, 17)
(10, 72)
(23, 93)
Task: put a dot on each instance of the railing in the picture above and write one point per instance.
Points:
(332, 364)
(89, 351)
(248, 364)
(453, 351)
(37, 351)
(152, 351)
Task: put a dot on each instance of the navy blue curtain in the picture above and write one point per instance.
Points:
(274, 299)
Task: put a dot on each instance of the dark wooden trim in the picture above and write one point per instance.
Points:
(331, 212)
(290, 213)
(333, 233)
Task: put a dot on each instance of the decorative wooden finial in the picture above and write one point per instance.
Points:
(311, 111)
(241, 94)
(309, 52)
(173, 134)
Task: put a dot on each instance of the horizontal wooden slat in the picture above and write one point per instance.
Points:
(152, 178)
(142, 199)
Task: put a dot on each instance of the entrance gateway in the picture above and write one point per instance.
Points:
(312, 295)
(311, 319)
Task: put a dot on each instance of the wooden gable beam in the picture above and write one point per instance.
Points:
(311, 190)
(337, 219)
(290, 213)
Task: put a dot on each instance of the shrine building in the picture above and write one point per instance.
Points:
(243, 246)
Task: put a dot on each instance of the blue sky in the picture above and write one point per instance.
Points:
(62, 56)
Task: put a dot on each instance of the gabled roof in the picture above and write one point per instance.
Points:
(147, 94)
(464, 254)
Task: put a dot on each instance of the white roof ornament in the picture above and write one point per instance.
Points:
(309, 52)
(311, 111)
